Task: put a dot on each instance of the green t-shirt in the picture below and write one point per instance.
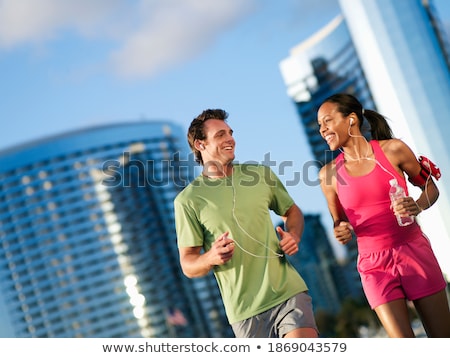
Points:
(255, 279)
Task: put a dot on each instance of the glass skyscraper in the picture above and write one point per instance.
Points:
(323, 64)
(393, 56)
(88, 244)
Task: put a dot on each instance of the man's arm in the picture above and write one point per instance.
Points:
(194, 263)
(294, 222)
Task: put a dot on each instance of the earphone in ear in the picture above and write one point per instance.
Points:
(202, 146)
(351, 120)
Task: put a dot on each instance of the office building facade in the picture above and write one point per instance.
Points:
(324, 64)
(88, 244)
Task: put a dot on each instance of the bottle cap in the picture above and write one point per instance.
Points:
(393, 182)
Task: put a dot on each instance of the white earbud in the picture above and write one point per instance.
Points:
(351, 120)
(202, 146)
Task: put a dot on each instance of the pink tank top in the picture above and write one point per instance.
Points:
(365, 200)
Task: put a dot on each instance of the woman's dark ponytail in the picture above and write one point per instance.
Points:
(379, 127)
(347, 104)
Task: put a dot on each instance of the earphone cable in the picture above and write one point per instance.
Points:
(277, 255)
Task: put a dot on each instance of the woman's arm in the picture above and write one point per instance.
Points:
(342, 228)
(404, 160)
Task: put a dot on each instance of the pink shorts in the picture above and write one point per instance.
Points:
(408, 271)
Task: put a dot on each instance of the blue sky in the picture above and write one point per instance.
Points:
(70, 64)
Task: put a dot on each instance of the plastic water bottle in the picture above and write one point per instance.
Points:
(397, 192)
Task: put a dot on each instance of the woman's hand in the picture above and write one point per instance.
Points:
(343, 232)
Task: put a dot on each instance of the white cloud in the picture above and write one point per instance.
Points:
(151, 35)
(30, 21)
(174, 31)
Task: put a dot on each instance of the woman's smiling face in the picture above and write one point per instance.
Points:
(333, 126)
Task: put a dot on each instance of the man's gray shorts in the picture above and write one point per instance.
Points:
(297, 312)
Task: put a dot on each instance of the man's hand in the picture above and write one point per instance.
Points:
(288, 242)
(222, 250)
